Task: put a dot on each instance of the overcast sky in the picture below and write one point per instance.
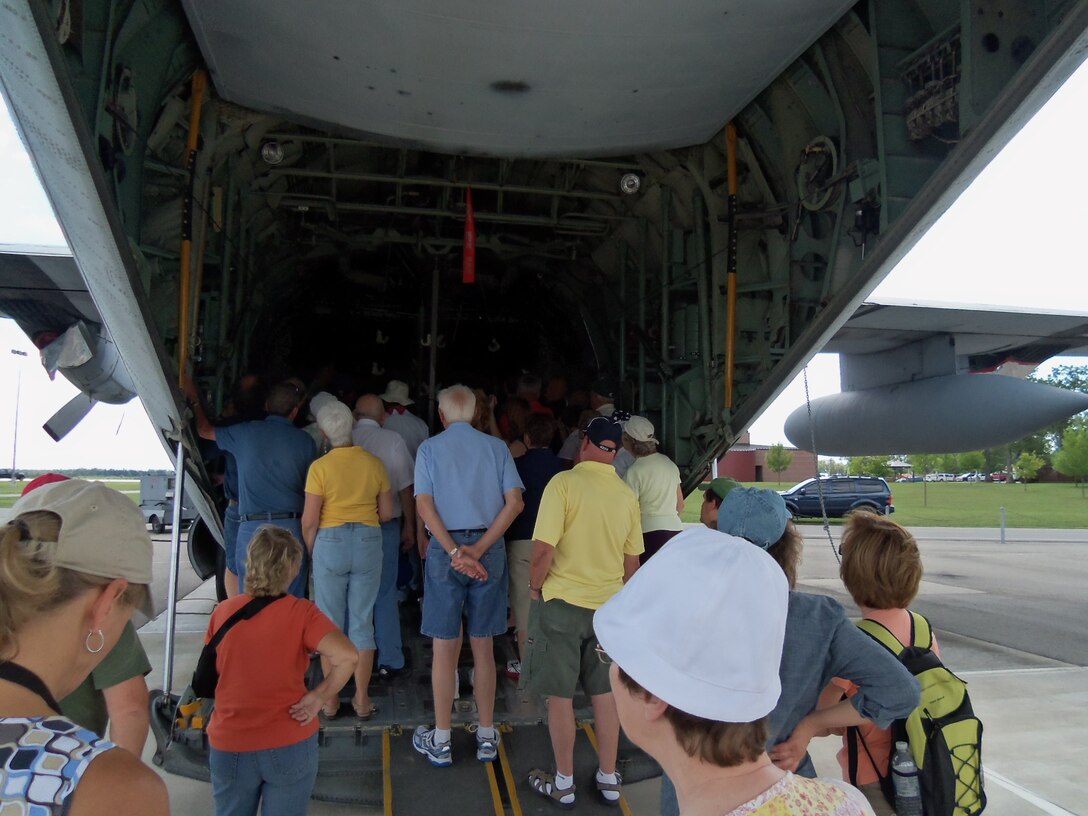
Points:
(1014, 238)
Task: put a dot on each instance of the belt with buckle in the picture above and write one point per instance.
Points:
(270, 516)
(462, 532)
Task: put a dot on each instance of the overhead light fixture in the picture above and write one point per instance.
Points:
(272, 152)
(629, 183)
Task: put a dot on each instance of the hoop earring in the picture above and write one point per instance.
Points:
(101, 642)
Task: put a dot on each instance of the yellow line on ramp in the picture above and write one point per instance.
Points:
(515, 803)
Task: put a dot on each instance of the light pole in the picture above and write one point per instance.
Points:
(18, 388)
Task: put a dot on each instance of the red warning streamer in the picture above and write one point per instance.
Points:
(468, 261)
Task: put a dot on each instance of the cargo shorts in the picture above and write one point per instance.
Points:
(561, 651)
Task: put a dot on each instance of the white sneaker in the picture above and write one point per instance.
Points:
(513, 669)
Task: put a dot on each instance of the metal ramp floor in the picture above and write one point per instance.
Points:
(373, 763)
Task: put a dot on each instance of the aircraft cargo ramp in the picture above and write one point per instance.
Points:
(373, 763)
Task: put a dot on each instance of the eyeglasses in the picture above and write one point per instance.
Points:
(602, 655)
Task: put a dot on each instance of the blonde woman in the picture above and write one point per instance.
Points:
(263, 734)
(75, 560)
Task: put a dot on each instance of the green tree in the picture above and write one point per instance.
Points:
(973, 460)
(948, 463)
(833, 466)
(869, 466)
(1028, 466)
(922, 463)
(778, 459)
(1072, 459)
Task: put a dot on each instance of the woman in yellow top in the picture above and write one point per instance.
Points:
(347, 497)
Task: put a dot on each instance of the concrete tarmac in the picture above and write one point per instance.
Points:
(1005, 617)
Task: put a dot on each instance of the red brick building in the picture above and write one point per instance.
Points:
(746, 462)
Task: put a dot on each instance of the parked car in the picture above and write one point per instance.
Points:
(910, 479)
(999, 476)
(971, 476)
(7, 474)
(157, 502)
(841, 494)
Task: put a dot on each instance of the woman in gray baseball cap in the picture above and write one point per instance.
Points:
(75, 560)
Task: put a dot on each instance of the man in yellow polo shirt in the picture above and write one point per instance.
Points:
(586, 545)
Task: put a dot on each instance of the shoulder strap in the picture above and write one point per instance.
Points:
(921, 633)
(882, 635)
(245, 613)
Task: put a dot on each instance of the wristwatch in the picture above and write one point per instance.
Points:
(454, 551)
(533, 588)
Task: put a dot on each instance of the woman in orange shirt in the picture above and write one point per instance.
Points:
(263, 734)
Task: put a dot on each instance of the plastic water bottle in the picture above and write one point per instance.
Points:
(908, 789)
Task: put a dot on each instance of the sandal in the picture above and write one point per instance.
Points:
(331, 709)
(609, 786)
(364, 713)
(544, 784)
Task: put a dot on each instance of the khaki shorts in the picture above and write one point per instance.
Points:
(561, 651)
(519, 554)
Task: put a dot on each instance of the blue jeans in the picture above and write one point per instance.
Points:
(280, 780)
(386, 615)
(447, 593)
(231, 521)
(347, 572)
(246, 531)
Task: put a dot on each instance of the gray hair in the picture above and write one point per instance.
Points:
(457, 403)
(334, 420)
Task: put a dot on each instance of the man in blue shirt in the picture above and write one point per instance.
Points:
(536, 468)
(467, 493)
(272, 457)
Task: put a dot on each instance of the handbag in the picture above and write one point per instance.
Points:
(206, 674)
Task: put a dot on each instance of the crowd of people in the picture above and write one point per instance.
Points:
(550, 512)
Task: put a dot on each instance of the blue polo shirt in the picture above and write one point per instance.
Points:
(466, 472)
(536, 468)
(273, 457)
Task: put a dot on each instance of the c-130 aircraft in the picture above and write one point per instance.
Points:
(692, 199)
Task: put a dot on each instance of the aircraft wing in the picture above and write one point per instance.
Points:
(43, 291)
(921, 378)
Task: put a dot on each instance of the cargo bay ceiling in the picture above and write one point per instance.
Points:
(307, 202)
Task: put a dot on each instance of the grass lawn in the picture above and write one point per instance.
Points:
(968, 504)
(10, 491)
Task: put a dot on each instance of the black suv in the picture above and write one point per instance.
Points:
(842, 494)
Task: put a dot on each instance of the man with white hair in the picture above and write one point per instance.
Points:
(467, 492)
(400, 419)
(397, 533)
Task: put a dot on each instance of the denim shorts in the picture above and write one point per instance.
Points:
(279, 779)
(347, 575)
(448, 593)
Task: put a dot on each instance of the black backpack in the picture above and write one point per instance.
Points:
(944, 735)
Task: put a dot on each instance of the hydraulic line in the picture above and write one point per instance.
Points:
(731, 264)
(200, 81)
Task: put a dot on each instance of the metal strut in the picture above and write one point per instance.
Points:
(175, 562)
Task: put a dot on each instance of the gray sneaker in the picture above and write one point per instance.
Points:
(438, 753)
(487, 750)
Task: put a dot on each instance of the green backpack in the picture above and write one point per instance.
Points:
(944, 734)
